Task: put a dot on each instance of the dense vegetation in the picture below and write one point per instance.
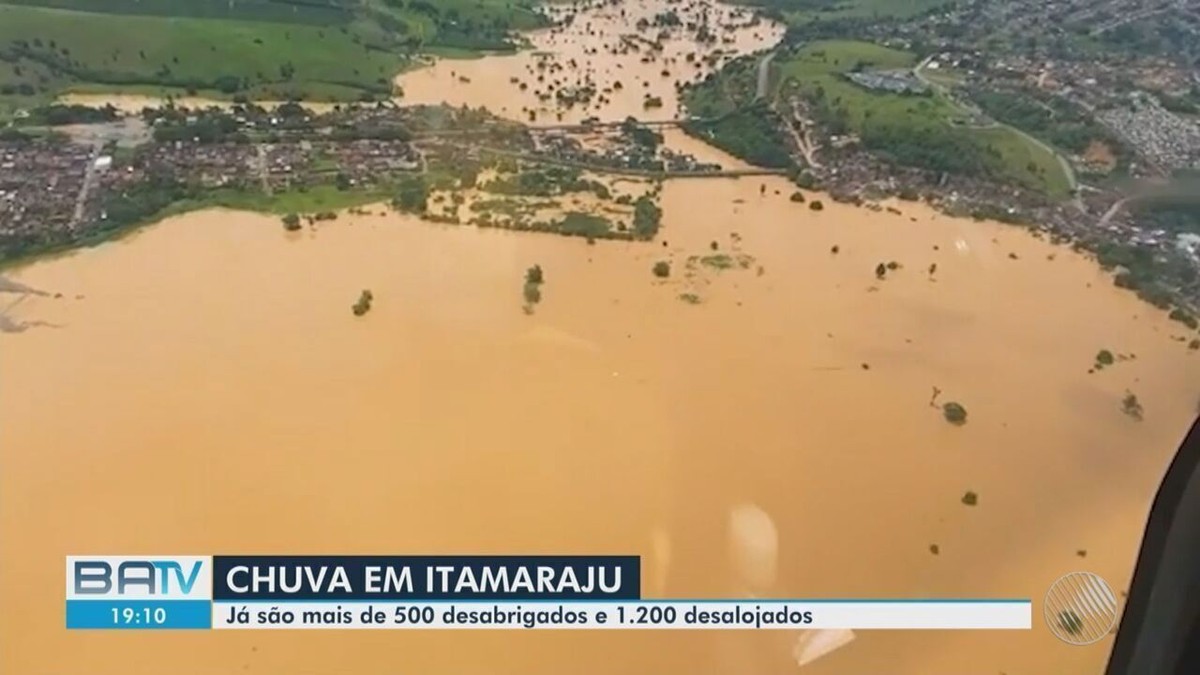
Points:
(947, 149)
(1142, 270)
(752, 133)
(647, 217)
(547, 181)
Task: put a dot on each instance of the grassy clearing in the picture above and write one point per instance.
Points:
(1027, 162)
(52, 48)
(800, 12)
(266, 49)
(312, 200)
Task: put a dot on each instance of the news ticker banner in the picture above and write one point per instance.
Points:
(459, 592)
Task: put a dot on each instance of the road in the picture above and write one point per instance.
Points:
(263, 167)
(1112, 211)
(89, 177)
(764, 76)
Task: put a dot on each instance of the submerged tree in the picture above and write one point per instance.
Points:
(532, 291)
(291, 222)
(1131, 406)
(954, 413)
(662, 269)
(364, 303)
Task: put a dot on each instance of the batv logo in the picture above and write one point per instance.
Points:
(97, 577)
(138, 578)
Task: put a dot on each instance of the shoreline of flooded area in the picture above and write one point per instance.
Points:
(762, 420)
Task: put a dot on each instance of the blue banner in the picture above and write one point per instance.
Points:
(139, 614)
(348, 578)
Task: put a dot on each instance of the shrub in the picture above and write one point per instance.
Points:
(970, 498)
(1184, 318)
(532, 293)
(1131, 406)
(291, 222)
(816, 205)
(954, 413)
(662, 269)
(797, 197)
(534, 275)
(364, 303)
(1104, 358)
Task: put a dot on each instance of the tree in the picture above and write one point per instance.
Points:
(1183, 317)
(412, 195)
(1131, 406)
(662, 269)
(342, 181)
(797, 197)
(534, 275)
(816, 205)
(1104, 358)
(954, 413)
(364, 303)
(970, 498)
(291, 222)
(532, 293)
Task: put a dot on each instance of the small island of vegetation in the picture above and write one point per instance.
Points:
(364, 303)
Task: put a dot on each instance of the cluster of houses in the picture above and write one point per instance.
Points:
(40, 185)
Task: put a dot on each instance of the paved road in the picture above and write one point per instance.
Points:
(89, 177)
(764, 76)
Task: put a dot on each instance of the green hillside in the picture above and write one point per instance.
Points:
(801, 12)
(313, 49)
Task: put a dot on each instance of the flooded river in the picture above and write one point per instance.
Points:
(202, 386)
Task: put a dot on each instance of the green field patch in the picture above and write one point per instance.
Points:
(310, 49)
(197, 54)
(315, 12)
(800, 12)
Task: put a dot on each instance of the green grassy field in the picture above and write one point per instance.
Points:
(314, 49)
(800, 12)
(821, 67)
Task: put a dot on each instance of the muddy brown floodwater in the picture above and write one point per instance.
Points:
(206, 389)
